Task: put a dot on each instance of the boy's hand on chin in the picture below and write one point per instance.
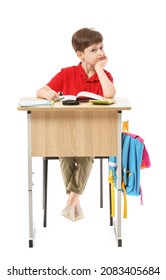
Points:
(102, 62)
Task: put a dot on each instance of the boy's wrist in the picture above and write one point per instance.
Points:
(98, 66)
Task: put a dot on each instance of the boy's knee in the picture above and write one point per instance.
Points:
(86, 160)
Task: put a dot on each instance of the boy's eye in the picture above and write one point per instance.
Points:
(95, 50)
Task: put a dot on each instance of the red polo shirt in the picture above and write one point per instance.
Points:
(72, 80)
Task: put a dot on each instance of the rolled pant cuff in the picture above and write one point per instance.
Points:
(73, 190)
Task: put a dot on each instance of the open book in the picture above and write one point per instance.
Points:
(82, 96)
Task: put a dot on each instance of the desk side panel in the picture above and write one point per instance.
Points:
(74, 133)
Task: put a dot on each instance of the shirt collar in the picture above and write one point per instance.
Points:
(83, 73)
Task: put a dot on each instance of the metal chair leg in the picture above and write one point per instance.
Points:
(110, 203)
(45, 171)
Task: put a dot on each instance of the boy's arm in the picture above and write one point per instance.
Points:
(47, 93)
(108, 87)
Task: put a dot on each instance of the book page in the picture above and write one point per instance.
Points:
(68, 97)
(89, 95)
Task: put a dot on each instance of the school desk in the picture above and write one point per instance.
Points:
(82, 130)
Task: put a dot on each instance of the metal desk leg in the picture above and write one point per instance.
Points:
(101, 183)
(119, 180)
(30, 181)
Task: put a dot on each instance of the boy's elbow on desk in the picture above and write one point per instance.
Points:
(110, 93)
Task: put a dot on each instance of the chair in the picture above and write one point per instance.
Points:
(45, 187)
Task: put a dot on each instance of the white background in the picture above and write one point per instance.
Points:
(35, 44)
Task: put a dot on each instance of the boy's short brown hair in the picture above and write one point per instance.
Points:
(85, 37)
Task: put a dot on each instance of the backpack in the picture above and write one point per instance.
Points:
(134, 157)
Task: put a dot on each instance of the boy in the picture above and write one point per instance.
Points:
(88, 75)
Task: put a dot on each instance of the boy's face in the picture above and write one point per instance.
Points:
(92, 54)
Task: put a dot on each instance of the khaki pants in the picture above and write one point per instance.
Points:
(75, 172)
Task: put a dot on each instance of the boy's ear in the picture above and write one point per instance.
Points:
(80, 55)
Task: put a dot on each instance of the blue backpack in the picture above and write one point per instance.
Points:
(132, 162)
